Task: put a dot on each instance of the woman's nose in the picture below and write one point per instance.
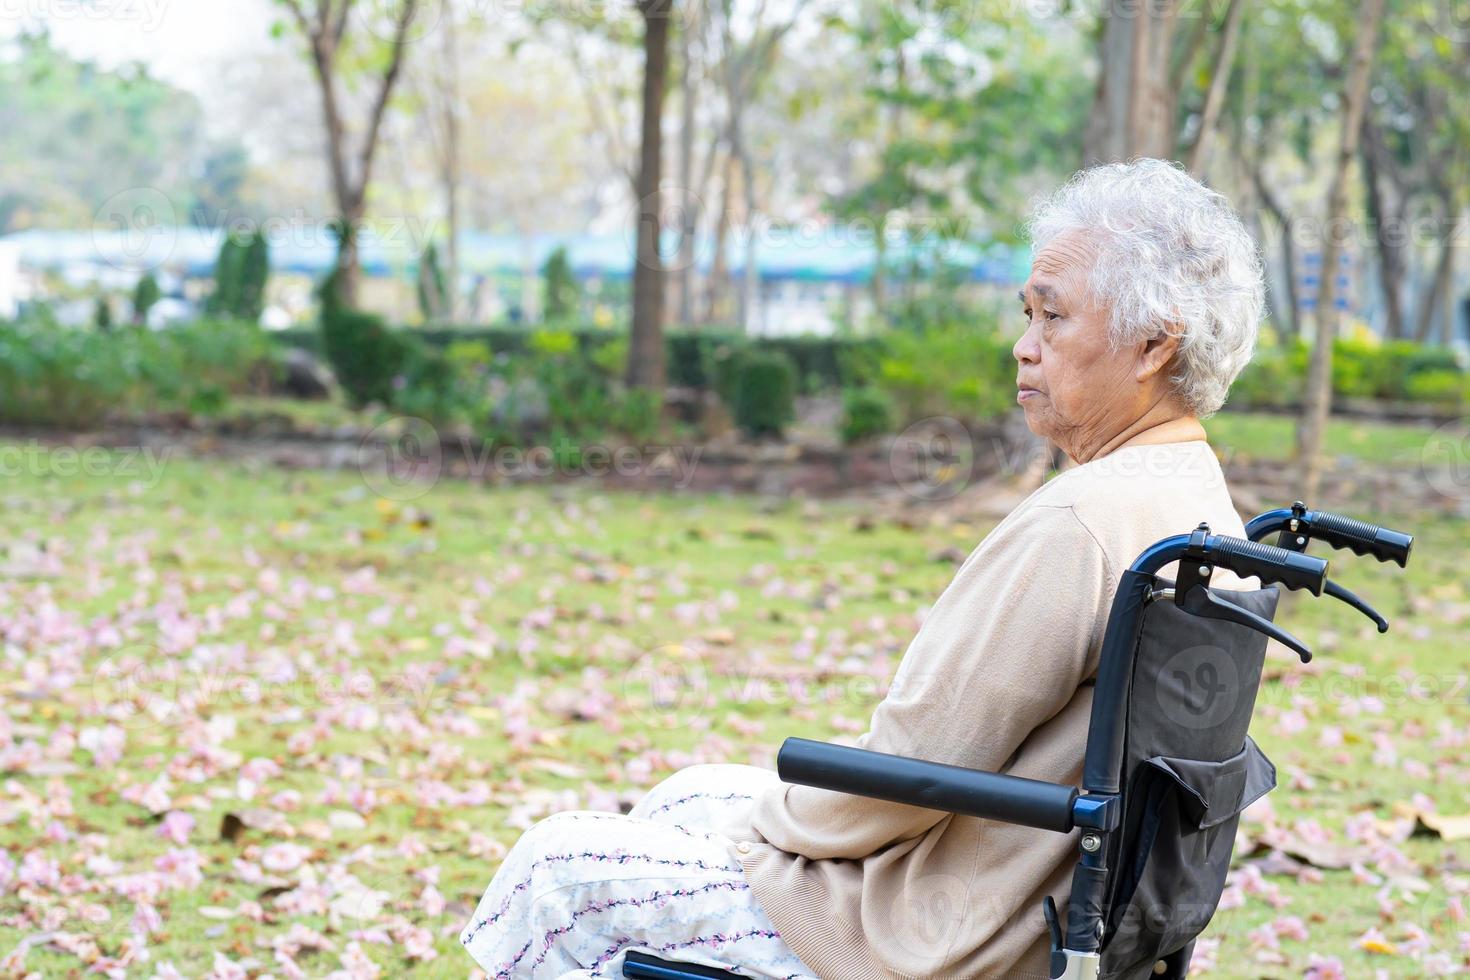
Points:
(1026, 349)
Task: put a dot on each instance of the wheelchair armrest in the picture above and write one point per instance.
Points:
(932, 785)
(642, 966)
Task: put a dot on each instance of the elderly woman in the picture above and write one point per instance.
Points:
(1142, 306)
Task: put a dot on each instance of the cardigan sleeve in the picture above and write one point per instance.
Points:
(1003, 650)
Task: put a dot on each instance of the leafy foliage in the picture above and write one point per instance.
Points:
(952, 370)
(52, 375)
(562, 296)
(433, 291)
(240, 276)
(764, 400)
(866, 412)
(145, 294)
(1397, 371)
(76, 134)
(366, 355)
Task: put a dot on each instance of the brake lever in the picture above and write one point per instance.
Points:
(1200, 601)
(1338, 592)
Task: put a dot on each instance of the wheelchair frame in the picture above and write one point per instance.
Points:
(1097, 809)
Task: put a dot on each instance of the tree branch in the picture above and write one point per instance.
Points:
(300, 16)
(1199, 155)
(385, 90)
(339, 26)
(603, 120)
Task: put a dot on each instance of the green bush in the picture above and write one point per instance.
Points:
(1273, 379)
(956, 371)
(255, 272)
(722, 363)
(145, 294)
(561, 299)
(433, 291)
(53, 375)
(765, 393)
(823, 361)
(1276, 377)
(1446, 389)
(240, 275)
(365, 354)
(865, 412)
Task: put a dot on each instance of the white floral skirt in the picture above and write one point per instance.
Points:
(580, 889)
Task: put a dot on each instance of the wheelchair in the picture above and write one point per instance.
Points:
(1169, 766)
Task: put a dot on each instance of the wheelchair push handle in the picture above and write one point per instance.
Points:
(1299, 526)
(1266, 562)
(932, 785)
(1362, 538)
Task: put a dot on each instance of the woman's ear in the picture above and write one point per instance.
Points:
(1156, 353)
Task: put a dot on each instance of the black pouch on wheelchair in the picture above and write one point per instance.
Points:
(1189, 770)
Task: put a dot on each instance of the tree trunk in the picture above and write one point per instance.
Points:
(646, 346)
(1438, 305)
(530, 280)
(689, 198)
(1284, 315)
(1312, 431)
(719, 273)
(324, 32)
(1447, 294)
(1199, 155)
(750, 300)
(1432, 302)
(1387, 228)
(349, 264)
(451, 173)
(1133, 112)
(1106, 137)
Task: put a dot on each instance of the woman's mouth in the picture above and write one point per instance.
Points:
(1023, 393)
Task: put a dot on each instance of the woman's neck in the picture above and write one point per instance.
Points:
(1150, 429)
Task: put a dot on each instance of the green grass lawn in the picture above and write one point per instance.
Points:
(351, 705)
(1268, 436)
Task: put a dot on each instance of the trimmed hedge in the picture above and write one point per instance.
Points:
(80, 378)
(765, 393)
(820, 362)
(965, 372)
(1393, 371)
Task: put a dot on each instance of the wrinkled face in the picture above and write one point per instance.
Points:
(1074, 390)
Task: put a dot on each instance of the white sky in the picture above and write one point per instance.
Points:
(181, 41)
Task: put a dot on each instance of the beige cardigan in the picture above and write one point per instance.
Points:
(866, 888)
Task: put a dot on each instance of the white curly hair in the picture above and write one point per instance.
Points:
(1171, 255)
